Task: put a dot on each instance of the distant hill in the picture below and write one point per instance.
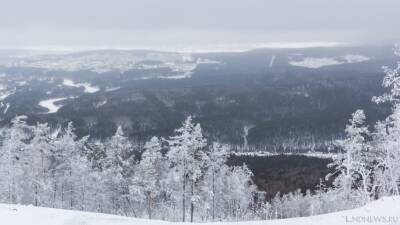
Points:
(266, 99)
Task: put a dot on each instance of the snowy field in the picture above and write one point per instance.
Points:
(50, 104)
(88, 88)
(314, 63)
(320, 155)
(106, 61)
(272, 60)
(384, 211)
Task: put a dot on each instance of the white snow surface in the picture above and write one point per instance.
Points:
(4, 95)
(107, 61)
(108, 89)
(355, 58)
(50, 105)
(88, 88)
(272, 60)
(6, 109)
(383, 211)
(321, 155)
(314, 63)
(5, 91)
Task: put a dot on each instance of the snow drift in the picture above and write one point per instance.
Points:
(383, 211)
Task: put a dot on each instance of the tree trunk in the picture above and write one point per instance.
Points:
(184, 191)
(62, 195)
(149, 205)
(55, 194)
(131, 206)
(213, 197)
(184, 199)
(71, 203)
(191, 203)
(36, 195)
(83, 205)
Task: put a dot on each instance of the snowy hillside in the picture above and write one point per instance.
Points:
(106, 61)
(384, 211)
(311, 62)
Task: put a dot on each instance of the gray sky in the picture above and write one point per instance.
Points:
(193, 23)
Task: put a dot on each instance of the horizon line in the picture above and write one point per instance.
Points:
(243, 47)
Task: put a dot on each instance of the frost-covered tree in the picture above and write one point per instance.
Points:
(391, 81)
(239, 189)
(370, 162)
(353, 162)
(186, 156)
(146, 182)
(13, 164)
(216, 168)
(387, 145)
(96, 153)
(69, 168)
(40, 158)
(119, 152)
(385, 139)
(51, 167)
(117, 166)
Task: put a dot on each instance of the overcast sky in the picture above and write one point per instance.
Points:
(194, 23)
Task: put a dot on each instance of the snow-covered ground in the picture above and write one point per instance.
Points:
(384, 211)
(315, 62)
(4, 92)
(311, 62)
(6, 108)
(4, 95)
(105, 61)
(108, 89)
(355, 58)
(309, 154)
(88, 88)
(50, 104)
(271, 61)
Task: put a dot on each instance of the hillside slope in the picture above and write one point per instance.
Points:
(278, 100)
(384, 211)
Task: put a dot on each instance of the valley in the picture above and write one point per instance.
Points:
(289, 100)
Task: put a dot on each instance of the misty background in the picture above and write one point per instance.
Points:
(189, 25)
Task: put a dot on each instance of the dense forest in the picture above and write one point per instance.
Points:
(186, 178)
(238, 98)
